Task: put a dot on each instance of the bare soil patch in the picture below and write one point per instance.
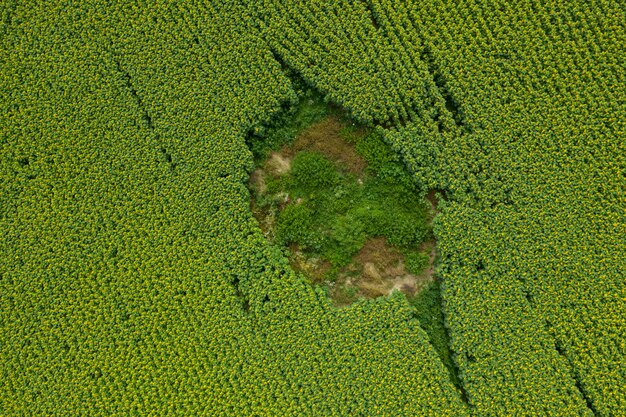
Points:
(316, 269)
(257, 181)
(278, 163)
(377, 270)
(266, 219)
(325, 137)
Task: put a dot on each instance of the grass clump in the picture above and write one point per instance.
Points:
(416, 261)
(295, 225)
(347, 236)
(311, 171)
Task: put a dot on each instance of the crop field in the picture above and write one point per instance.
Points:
(313, 208)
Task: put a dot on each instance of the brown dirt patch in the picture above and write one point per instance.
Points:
(378, 252)
(258, 186)
(325, 137)
(315, 269)
(257, 181)
(377, 270)
(265, 217)
(278, 164)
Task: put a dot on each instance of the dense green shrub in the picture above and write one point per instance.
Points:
(347, 237)
(407, 229)
(295, 225)
(311, 170)
(416, 261)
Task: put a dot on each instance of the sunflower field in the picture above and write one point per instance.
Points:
(134, 280)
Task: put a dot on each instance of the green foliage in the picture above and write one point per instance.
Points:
(134, 280)
(429, 312)
(390, 208)
(312, 171)
(295, 225)
(416, 262)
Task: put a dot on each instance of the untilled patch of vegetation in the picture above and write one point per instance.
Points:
(344, 209)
